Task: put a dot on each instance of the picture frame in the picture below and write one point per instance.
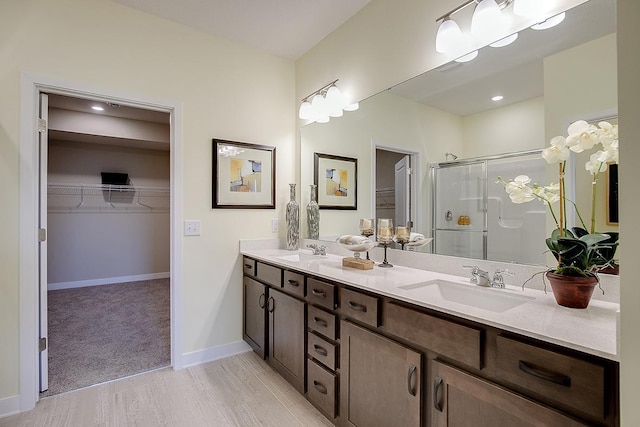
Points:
(336, 178)
(243, 175)
(612, 194)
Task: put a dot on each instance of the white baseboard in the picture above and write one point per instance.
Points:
(211, 354)
(106, 281)
(9, 406)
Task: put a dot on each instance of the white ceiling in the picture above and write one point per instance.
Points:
(286, 28)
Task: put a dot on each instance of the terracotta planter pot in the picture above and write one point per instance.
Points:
(573, 292)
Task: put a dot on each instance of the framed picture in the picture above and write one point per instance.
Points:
(244, 175)
(336, 178)
(612, 194)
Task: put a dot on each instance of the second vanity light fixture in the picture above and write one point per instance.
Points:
(487, 23)
(324, 103)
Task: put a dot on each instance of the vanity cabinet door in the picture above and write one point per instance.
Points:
(460, 399)
(380, 380)
(287, 335)
(255, 315)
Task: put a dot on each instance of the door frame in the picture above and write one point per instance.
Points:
(30, 88)
(416, 183)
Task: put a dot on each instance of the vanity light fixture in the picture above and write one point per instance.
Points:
(325, 103)
(497, 98)
(489, 22)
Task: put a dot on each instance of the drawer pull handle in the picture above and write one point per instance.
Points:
(436, 389)
(318, 293)
(320, 350)
(248, 266)
(261, 300)
(271, 304)
(293, 283)
(412, 372)
(320, 322)
(357, 307)
(562, 380)
(320, 387)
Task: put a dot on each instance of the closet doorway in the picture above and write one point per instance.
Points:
(106, 208)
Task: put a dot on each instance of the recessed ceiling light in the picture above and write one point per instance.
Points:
(497, 98)
(97, 108)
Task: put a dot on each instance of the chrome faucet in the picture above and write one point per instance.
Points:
(478, 277)
(318, 250)
(498, 278)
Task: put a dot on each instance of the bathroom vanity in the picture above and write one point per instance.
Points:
(409, 347)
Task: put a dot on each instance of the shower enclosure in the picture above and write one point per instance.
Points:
(473, 217)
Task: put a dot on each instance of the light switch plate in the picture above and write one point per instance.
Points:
(192, 228)
(275, 225)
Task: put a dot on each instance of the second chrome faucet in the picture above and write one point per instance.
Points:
(481, 278)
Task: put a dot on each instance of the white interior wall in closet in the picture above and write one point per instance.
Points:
(92, 241)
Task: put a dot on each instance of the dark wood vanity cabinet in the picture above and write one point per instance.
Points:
(380, 380)
(369, 360)
(287, 337)
(461, 399)
(255, 315)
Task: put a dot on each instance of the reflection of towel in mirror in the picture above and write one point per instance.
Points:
(414, 237)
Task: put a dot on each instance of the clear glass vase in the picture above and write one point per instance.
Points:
(293, 219)
(313, 214)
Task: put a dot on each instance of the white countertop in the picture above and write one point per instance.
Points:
(591, 330)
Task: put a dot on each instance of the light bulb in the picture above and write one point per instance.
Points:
(505, 41)
(334, 99)
(551, 22)
(487, 21)
(322, 119)
(352, 107)
(305, 112)
(448, 36)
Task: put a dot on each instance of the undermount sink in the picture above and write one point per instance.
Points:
(495, 300)
(302, 257)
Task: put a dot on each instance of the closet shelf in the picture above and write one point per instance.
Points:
(78, 197)
(386, 198)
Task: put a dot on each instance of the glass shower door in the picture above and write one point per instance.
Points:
(459, 211)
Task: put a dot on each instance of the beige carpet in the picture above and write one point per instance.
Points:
(102, 333)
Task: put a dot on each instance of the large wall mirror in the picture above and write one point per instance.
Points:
(548, 79)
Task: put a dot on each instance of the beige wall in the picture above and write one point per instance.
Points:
(223, 89)
(629, 111)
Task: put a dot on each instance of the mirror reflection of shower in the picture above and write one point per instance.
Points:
(473, 217)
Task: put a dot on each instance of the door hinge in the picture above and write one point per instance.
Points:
(409, 171)
(42, 344)
(42, 234)
(42, 125)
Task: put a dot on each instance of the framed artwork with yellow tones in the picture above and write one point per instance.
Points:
(337, 181)
(244, 175)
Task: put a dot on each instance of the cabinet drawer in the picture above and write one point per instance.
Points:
(269, 274)
(321, 293)
(322, 322)
(322, 350)
(452, 340)
(565, 379)
(248, 266)
(360, 307)
(321, 388)
(293, 283)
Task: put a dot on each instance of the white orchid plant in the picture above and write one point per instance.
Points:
(579, 252)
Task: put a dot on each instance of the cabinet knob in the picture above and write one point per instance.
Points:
(320, 350)
(410, 375)
(357, 307)
(318, 293)
(293, 283)
(320, 387)
(436, 390)
(560, 379)
(261, 300)
(320, 322)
